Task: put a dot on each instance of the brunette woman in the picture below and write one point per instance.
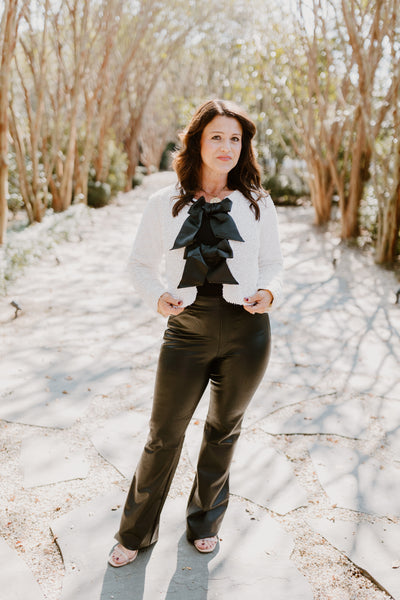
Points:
(217, 231)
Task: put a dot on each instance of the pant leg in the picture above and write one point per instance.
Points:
(182, 376)
(235, 376)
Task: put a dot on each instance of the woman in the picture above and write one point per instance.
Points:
(217, 230)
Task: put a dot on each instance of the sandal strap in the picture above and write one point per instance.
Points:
(119, 550)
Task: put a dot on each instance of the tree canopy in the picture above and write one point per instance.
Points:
(91, 89)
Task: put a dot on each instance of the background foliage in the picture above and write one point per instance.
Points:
(93, 89)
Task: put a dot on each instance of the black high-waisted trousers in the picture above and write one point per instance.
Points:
(211, 340)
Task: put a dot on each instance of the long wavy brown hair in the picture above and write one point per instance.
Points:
(245, 176)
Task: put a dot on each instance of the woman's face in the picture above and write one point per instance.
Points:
(220, 145)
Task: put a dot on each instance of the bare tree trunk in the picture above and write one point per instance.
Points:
(359, 174)
(20, 156)
(63, 188)
(133, 154)
(98, 162)
(131, 145)
(387, 244)
(321, 191)
(39, 205)
(81, 180)
(9, 26)
(3, 157)
(68, 174)
(54, 185)
(388, 230)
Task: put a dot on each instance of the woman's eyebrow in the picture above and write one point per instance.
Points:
(215, 131)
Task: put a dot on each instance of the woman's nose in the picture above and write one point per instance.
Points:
(225, 145)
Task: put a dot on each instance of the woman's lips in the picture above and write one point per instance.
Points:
(224, 158)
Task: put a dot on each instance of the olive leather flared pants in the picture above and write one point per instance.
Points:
(211, 340)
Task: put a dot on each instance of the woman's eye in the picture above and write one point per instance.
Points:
(216, 137)
(235, 139)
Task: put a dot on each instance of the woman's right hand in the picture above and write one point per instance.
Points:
(168, 305)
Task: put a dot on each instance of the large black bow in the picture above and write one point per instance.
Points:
(203, 261)
(222, 224)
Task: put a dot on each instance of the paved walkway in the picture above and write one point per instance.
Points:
(315, 507)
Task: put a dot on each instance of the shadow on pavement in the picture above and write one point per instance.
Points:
(190, 579)
(127, 583)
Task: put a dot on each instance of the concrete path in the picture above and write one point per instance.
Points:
(315, 506)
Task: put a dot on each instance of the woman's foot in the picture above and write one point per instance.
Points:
(121, 556)
(206, 545)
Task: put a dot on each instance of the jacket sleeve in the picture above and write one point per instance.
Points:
(270, 262)
(144, 265)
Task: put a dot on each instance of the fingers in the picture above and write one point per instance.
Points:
(259, 302)
(169, 299)
(168, 305)
(248, 308)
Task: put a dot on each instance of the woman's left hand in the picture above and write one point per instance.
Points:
(260, 302)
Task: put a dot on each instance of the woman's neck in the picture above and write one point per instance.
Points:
(213, 187)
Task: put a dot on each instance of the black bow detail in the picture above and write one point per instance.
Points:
(203, 261)
(222, 224)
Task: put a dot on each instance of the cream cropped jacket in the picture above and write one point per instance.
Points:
(256, 262)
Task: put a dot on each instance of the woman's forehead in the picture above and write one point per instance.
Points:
(224, 124)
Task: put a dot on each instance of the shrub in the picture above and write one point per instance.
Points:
(99, 194)
(138, 177)
(117, 170)
(368, 214)
(14, 200)
(166, 158)
(282, 190)
(28, 244)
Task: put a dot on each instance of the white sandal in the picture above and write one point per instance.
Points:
(119, 553)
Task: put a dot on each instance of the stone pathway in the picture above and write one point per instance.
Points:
(315, 506)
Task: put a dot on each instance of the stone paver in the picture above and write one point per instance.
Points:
(374, 547)
(45, 459)
(358, 481)
(259, 473)
(393, 443)
(265, 476)
(269, 397)
(349, 418)
(272, 396)
(121, 438)
(51, 386)
(253, 556)
(16, 579)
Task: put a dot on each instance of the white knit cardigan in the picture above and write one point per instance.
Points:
(256, 263)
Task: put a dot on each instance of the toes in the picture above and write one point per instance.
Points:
(206, 544)
(122, 556)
